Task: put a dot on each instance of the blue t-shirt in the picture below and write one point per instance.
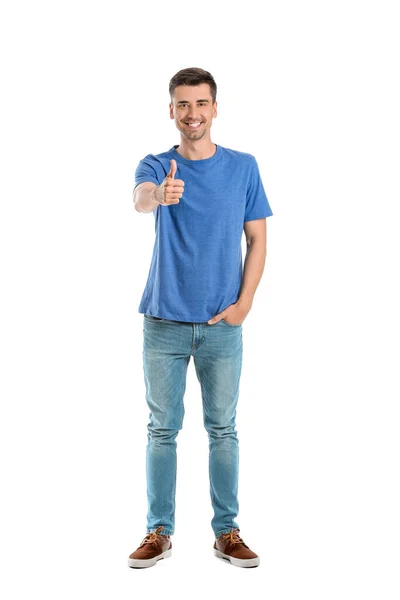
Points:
(196, 268)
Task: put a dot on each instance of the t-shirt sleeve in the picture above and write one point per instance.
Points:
(147, 171)
(257, 205)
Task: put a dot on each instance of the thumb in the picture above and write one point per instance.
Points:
(173, 168)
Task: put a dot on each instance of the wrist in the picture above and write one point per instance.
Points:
(245, 300)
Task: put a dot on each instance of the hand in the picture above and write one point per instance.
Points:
(170, 190)
(236, 313)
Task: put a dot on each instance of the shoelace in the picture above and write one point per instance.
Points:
(234, 536)
(152, 538)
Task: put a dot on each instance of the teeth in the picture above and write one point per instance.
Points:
(194, 125)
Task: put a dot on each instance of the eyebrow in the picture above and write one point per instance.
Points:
(187, 101)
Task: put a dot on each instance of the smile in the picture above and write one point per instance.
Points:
(194, 125)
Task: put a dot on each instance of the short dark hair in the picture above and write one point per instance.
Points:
(193, 76)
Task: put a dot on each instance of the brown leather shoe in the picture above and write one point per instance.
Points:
(231, 547)
(153, 548)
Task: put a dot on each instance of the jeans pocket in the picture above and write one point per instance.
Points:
(230, 324)
(151, 318)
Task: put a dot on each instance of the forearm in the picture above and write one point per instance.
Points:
(144, 200)
(252, 271)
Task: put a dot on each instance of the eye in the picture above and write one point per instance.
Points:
(201, 103)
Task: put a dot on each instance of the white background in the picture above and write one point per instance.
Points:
(308, 88)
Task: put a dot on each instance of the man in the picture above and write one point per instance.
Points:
(203, 196)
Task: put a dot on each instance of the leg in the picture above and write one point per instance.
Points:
(218, 364)
(165, 369)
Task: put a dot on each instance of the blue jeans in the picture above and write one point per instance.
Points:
(217, 354)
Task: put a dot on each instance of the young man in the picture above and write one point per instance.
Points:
(203, 196)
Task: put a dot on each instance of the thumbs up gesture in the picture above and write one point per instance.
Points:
(170, 190)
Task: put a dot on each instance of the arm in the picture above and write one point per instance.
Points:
(147, 195)
(143, 197)
(253, 268)
(256, 238)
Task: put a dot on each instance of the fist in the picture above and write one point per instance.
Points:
(170, 190)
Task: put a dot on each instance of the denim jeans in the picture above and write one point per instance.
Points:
(217, 354)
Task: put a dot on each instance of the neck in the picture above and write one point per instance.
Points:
(196, 149)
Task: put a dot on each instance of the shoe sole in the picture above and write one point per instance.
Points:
(140, 563)
(239, 562)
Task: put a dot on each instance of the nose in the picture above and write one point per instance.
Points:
(192, 116)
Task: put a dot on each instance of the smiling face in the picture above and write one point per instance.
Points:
(193, 110)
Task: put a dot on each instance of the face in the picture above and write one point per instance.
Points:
(193, 104)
